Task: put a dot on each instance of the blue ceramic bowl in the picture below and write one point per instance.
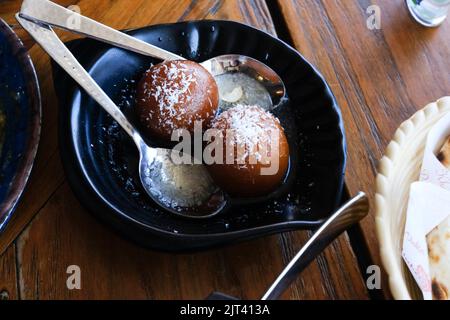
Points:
(101, 161)
(20, 104)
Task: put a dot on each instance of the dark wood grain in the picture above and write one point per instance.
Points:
(63, 233)
(380, 77)
(8, 278)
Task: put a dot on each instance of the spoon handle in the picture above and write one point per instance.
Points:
(50, 13)
(50, 42)
(349, 214)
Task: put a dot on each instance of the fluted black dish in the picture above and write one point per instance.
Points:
(101, 161)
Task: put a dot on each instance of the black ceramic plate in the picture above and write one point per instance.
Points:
(20, 109)
(101, 161)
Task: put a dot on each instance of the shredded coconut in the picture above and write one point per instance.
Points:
(251, 128)
(169, 87)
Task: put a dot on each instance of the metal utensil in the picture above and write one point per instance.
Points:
(156, 168)
(47, 12)
(349, 214)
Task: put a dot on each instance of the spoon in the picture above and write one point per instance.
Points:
(345, 217)
(194, 198)
(49, 13)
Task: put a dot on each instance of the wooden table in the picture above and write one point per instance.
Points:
(380, 78)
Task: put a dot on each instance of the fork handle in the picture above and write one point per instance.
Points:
(349, 214)
(50, 13)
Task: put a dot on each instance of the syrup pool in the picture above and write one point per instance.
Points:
(240, 89)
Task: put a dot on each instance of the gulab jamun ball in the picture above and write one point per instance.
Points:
(173, 95)
(254, 139)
